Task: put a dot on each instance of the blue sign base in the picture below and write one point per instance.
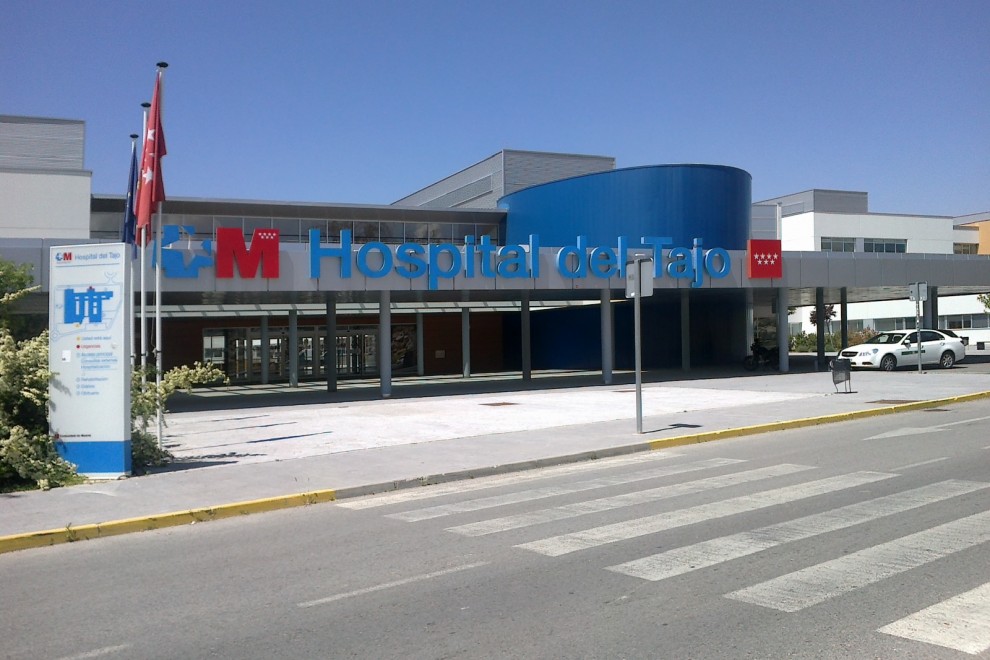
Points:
(98, 460)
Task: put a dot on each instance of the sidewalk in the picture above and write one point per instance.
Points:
(240, 450)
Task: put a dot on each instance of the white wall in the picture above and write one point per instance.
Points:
(933, 235)
(798, 233)
(45, 204)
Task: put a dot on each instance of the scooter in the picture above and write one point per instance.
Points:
(762, 357)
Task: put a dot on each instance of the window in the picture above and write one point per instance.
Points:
(213, 347)
(965, 248)
(833, 244)
(890, 324)
(964, 321)
(889, 245)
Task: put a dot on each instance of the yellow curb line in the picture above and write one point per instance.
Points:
(709, 436)
(70, 534)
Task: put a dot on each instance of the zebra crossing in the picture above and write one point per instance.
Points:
(961, 622)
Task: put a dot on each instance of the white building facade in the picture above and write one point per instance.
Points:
(840, 221)
(43, 185)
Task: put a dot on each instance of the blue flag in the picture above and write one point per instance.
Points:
(129, 229)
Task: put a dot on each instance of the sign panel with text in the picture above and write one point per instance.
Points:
(89, 357)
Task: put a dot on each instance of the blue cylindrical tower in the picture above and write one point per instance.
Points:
(711, 202)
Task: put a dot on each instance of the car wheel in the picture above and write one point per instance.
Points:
(948, 360)
(888, 363)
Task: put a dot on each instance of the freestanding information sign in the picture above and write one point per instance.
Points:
(89, 357)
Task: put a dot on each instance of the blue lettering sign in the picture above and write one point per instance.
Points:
(362, 259)
(173, 261)
(477, 257)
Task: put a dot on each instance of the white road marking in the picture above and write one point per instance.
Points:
(590, 538)
(966, 421)
(709, 553)
(810, 586)
(107, 650)
(907, 430)
(438, 490)
(914, 465)
(554, 491)
(917, 430)
(389, 585)
(496, 525)
(961, 623)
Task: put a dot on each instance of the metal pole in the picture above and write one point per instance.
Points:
(158, 326)
(917, 322)
(144, 287)
(639, 360)
(158, 284)
(130, 300)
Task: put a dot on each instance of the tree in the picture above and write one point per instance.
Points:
(985, 299)
(15, 283)
(829, 315)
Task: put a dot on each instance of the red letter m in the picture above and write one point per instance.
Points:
(231, 248)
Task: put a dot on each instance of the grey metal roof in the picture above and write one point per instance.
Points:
(280, 209)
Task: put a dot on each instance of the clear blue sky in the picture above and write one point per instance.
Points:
(364, 102)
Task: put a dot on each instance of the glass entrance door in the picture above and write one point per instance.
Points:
(238, 351)
(357, 354)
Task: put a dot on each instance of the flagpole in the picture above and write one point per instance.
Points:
(129, 208)
(144, 267)
(158, 279)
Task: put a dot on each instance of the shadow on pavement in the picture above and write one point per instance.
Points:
(238, 397)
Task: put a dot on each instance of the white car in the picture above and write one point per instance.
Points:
(889, 350)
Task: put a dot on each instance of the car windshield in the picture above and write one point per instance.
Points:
(886, 338)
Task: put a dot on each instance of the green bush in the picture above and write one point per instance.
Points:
(27, 452)
(145, 395)
(806, 342)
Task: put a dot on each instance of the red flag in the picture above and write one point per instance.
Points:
(764, 259)
(151, 187)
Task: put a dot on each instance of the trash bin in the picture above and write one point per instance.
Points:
(841, 371)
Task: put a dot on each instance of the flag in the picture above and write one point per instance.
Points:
(764, 259)
(151, 187)
(128, 232)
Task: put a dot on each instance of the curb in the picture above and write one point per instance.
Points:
(709, 436)
(71, 534)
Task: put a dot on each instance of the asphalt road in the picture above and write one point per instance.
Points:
(864, 539)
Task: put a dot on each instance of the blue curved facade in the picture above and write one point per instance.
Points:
(711, 202)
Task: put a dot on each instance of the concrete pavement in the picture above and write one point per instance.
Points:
(250, 449)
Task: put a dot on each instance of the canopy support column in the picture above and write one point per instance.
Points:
(608, 337)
